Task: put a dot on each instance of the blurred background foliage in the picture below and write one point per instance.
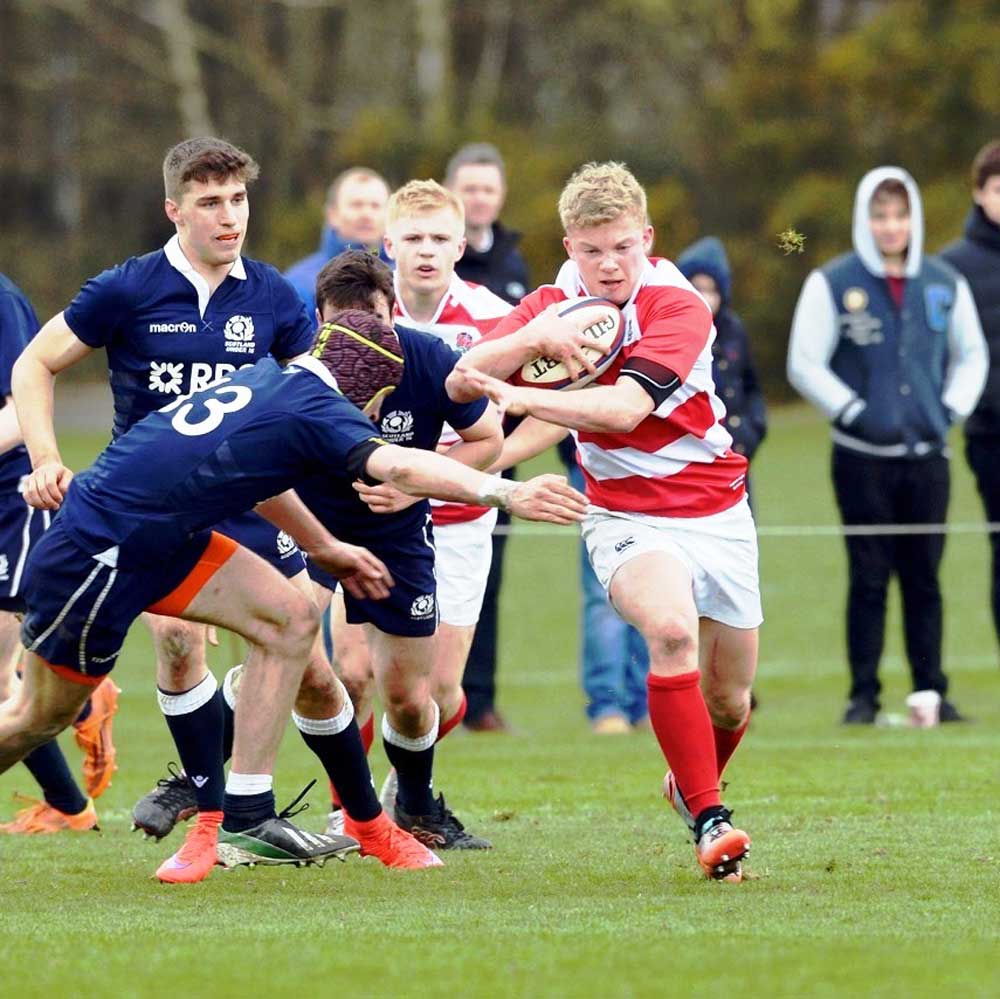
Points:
(742, 117)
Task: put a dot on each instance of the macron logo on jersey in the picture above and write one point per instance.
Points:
(173, 328)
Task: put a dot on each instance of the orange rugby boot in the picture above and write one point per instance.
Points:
(40, 817)
(93, 736)
(194, 861)
(721, 850)
(383, 839)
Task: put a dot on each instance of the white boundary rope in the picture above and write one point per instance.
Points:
(789, 530)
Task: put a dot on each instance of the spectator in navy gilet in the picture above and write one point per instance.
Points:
(977, 257)
(706, 266)
(887, 344)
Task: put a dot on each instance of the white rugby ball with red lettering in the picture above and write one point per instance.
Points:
(602, 322)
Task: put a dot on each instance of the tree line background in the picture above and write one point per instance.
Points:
(742, 117)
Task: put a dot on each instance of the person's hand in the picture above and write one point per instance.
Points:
(509, 399)
(384, 498)
(549, 498)
(46, 486)
(562, 339)
(362, 575)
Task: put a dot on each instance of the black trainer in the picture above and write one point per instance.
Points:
(440, 830)
(949, 713)
(278, 841)
(170, 802)
(860, 712)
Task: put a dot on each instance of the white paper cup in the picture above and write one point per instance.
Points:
(925, 707)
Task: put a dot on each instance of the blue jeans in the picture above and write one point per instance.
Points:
(614, 660)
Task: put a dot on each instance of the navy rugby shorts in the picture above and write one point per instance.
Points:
(81, 605)
(20, 528)
(411, 609)
(264, 539)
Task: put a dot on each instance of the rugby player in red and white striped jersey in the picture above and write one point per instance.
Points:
(669, 533)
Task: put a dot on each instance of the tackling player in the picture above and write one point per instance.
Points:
(669, 531)
(135, 533)
(396, 641)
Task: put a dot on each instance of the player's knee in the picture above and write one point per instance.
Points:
(673, 637)
(359, 687)
(294, 625)
(177, 644)
(405, 708)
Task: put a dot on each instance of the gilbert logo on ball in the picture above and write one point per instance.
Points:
(598, 320)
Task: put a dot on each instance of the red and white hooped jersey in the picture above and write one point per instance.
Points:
(466, 312)
(678, 462)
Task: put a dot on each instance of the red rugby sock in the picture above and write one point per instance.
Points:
(684, 731)
(368, 733)
(455, 720)
(726, 741)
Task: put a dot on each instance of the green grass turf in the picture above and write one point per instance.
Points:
(876, 857)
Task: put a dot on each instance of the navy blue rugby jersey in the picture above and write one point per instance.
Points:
(166, 337)
(18, 324)
(411, 416)
(206, 458)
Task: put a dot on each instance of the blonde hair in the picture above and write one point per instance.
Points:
(421, 197)
(601, 192)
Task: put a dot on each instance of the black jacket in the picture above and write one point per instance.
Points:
(501, 268)
(977, 257)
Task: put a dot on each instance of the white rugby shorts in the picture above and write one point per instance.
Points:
(462, 556)
(719, 552)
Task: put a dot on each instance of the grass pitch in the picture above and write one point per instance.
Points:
(876, 854)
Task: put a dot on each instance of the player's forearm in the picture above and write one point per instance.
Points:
(425, 473)
(10, 429)
(289, 514)
(476, 454)
(601, 408)
(501, 358)
(532, 437)
(32, 387)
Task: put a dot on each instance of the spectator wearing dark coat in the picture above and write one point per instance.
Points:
(976, 256)
(476, 174)
(706, 266)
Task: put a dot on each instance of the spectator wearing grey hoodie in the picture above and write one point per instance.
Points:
(886, 343)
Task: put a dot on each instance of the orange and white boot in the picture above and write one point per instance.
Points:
(194, 861)
(40, 817)
(93, 736)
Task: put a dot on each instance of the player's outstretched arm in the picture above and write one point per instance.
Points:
(479, 446)
(360, 572)
(531, 438)
(54, 348)
(547, 335)
(423, 473)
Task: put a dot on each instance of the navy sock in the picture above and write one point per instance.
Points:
(195, 720)
(84, 713)
(228, 730)
(337, 743)
(413, 759)
(48, 766)
(243, 811)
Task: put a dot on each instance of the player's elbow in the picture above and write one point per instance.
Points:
(626, 416)
(457, 388)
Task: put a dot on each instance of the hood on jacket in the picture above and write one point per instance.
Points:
(864, 241)
(708, 256)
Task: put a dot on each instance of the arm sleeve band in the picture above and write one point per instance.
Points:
(358, 457)
(658, 381)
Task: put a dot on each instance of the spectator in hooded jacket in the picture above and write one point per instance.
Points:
(887, 344)
(353, 219)
(977, 257)
(476, 174)
(706, 266)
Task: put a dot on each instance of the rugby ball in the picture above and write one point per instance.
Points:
(599, 320)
